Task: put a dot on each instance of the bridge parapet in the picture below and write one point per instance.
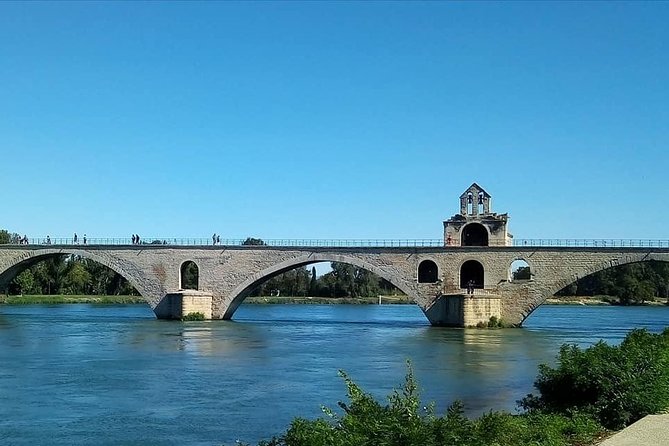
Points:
(351, 243)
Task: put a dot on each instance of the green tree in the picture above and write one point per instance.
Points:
(51, 274)
(77, 279)
(645, 292)
(5, 237)
(24, 283)
(617, 385)
(313, 283)
(522, 273)
(344, 275)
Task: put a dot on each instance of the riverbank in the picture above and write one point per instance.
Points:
(596, 300)
(272, 300)
(328, 300)
(70, 299)
(260, 300)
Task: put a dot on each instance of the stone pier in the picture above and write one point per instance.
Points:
(184, 302)
(464, 310)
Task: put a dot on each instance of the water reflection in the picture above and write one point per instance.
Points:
(79, 373)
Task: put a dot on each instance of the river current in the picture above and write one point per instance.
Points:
(114, 375)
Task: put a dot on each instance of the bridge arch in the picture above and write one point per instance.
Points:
(474, 234)
(20, 263)
(542, 294)
(428, 272)
(243, 290)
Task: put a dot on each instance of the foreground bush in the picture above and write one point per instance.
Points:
(404, 422)
(617, 385)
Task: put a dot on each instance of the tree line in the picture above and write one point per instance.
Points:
(71, 275)
(343, 281)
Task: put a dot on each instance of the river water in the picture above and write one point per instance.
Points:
(114, 375)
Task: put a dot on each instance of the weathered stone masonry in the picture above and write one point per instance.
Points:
(228, 274)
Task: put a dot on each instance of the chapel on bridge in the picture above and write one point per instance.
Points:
(476, 225)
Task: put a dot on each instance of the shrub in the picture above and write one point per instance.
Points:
(196, 316)
(618, 385)
(405, 422)
(493, 322)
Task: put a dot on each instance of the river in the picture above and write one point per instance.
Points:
(83, 374)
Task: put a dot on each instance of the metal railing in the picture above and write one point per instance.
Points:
(181, 241)
(593, 243)
(349, 243)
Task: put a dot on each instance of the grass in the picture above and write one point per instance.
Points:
(70, 299)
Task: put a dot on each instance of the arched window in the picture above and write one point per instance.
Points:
(474, 234)
(520, 270)
(190, 276)
(471, 270)
(427, 272)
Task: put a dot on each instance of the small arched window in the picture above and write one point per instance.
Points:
(520, 270)
(190, 276)
(427, 272)
(472, 271)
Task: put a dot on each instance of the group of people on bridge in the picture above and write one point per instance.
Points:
(75, 239)
(135, 239)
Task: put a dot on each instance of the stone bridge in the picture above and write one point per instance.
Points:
(436, 278)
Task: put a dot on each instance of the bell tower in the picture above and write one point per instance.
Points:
(476, 224)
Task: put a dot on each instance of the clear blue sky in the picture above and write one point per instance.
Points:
(333, 120)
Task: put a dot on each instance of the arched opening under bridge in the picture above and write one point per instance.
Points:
(341, 281)
(639, 282)
(349, 279)
(76, 276)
